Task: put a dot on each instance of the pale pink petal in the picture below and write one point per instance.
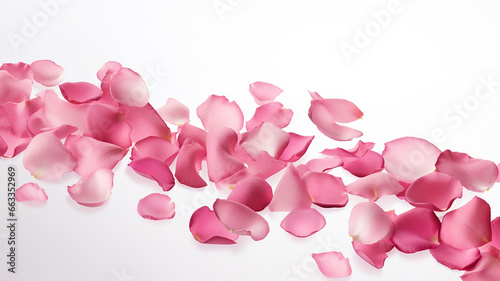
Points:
(495, 233)
(46, 157)
(31, 192)
(128, 88)
(47, 73)
(263, 92)
(333, 264)
(325, 190)
(335, 131)
(106, 123)
(474, 174)
(263, 166)
(19, 70)
(253, 192)
(93, 190)
(156, 170)
(188, 164)
(455, 258)
(174, 112)
(416, 230)
(80, 92)
(92, 155)
(155, 147)
(367, 164)
(498, 178)
(218, 112)
(13, 144)
(435, 191)
(206, 228)
(374, 186)
(240, 219)
(273, 112)
(361, 148)
(221, 162)
(409, 158)
(315, 95)
(468, 226)
(487, 268)
(13, 116)
(233, 179)
(109, 67)
(290, 193)
(145, 122)
(188, 131)
(266, 137)
(321, 164)
(303, 222)
(369, 224)
(13, 89)
(156, 206)
(296, 148)
(374, 254)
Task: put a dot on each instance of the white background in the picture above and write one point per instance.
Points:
(408, 78)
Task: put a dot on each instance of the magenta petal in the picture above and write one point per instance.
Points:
(455, 258)
(325, 190)
(108, 67)
(80, 92)
(155, 147)
(188, 164)
(206, 228)
(333, 264)
(240, 219)
(47, 73)
(94, 190)
(435, 191)
(416, 230)
(266, 137)
(487, 268)
(128, 88)
(19, 70)
(296, 148)
(156, 206)
(263, 92)
(374, 186)
(273, 112)
(409, 158)
(253, 192)
(303, 222)
(374, 254)
(46, 157)
(369, 224)
(290, 193)
(221, 162)
(156, 170)
(474, 174)
(174, 112)
(468, 226)
(218, 112)
(13, 89)
(31, 192)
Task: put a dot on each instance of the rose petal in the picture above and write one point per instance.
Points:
(174, 112)
(374, 254)
(468, 226)
(333, 264)
(266, 137)
(30, 192)
(145, 122)
(296, 148)
(409, 158)
(218, 112)
(109, 67)
(416, 230)
(47, 73)
(320, 164)
(263, 166)
(263, 92)
(303, 222)
(13, 89)
(455, 258)
(273, 112)
(3, 146)
(189, 164)
(486, 269)
(253, 192)
(156, 206)
(206, 228)
(368, 164)
(106, 123)
(240, 219)
(188, 131)
(325, 190)
(93, 190)
(369, 224)
(128, 88)
(155, 147)
(474, 174)
(19, 70)
(374, 186)
(80, 92)
(221, 162)
(435, 191)
(495, 233)
(290, 193)
(156, 170)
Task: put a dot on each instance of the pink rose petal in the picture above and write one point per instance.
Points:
(47, 73)
(273, 112)
(80, 92)
(416, 230)
(206, 228)
(106, 123)
(174, 112)
(360, 160)
(3, 146)
(264, 93)
(495, 233)
(19, 70)
(320, 164)
(290, 193)
(253, 192)
(333, 264)
(303, 222)
(374, 254)
(296, 148)
(128, 88)
(188, 164)
(455, 258)
(109, 67)
(13, 89)
(156, 206)
(374, 186)
(487, 268)
(155, 147)
(188, 131)
(30, 192)
(156, 170)
(325, 190)
(145, 122)
(221, 162)
(266, 137)
(369, 224)
(218, 112)
(435, 191)
(93, 190)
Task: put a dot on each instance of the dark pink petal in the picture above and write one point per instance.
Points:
(409, 158)
(19, 70)
(156, 170)
(266, 137)
(455, 258)
(367, 164)
(206, 228)
(374, 254)
(174, 112)
(474, 174)
(145, 122)
(487, 268)
(435, 191)
(156, 206)
(189, 164)
(46, 157)
(495, 233)
(93, 190)
(468, 226)
(416, 230)
(221, 162)
(218, 112)
(333, 264)
(369, 224)
(263, 92)
(128, 88)
(325, 190)
(290, 193)
(374, 186)
(47, 73)
(109, 67)
(155, 147)
(188, 131)
(92, 155)
(303, 222)
(253, 192)
(320, 164)
(80, 92)
(106, 123)
(273, 112)
(30, 192)
(296, 148)
(13, 89)
(240, 219)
